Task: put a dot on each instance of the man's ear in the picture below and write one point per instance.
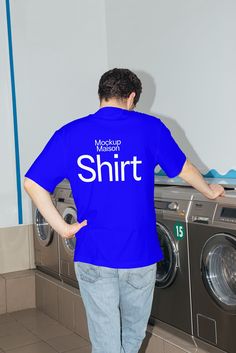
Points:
(132, 94)
(130, 100)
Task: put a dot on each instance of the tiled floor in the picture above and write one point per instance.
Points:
(32, 331)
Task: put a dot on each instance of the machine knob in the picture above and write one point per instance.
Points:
(173, 206)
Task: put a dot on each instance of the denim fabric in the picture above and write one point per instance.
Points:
(118, 305)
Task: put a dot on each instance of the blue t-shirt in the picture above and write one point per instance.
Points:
(109, 158)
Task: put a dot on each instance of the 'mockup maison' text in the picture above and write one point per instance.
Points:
(107, 145)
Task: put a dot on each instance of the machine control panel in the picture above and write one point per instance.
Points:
(226, 214)
(212, 213)
(171, 209)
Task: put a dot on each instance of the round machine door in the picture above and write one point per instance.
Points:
(218, 267)
(167, 268)
(44, 231)
(70, 216)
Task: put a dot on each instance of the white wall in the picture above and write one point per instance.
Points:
(184, 51)
(8, 201)
(60, 52)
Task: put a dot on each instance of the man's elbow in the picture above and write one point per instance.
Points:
(28, 183)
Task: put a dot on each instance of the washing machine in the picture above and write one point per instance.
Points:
(172, 300)
(46, 245)
(66, 207)
(212, 249)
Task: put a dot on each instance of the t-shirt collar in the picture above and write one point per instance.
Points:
(110, 113)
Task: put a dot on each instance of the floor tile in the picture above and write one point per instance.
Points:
(87, 349)
(46, 331)
(11, 328)
(68, 342)
(169, 348)
(181, 343)
(174, 337)
(39, 347)
(204, 347)
(17, 339)
(32, 318)
(152, 344)
(5, 318)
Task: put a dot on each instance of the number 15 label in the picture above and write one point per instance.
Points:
(179, 230)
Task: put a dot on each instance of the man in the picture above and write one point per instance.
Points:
(109, 158)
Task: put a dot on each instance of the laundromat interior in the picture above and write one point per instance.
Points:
(53, 54)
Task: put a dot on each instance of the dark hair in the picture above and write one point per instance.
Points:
(119, 83)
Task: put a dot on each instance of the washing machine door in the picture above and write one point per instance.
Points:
(167, 268)
(44, 231)
(218, 267)
(70, 216)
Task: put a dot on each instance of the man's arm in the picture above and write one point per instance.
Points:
(43, 201)
(192, 176)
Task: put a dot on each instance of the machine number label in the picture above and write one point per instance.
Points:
(179, 230)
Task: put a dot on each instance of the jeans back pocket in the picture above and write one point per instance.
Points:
(142, 277)
(87, 272)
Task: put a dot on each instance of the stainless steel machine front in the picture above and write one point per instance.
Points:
(212, 248)
(66, 207)
(172, 301)
(46, 244)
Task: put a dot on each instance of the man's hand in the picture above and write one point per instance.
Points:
(71, 229)
(217, 189)
(46, 207)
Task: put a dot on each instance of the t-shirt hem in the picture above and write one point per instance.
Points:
(120, 265)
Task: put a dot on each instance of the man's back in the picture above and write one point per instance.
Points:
(109, 158)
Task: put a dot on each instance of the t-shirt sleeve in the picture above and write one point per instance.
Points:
(49, 168)
(169, 155)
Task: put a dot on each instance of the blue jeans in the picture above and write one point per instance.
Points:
(118, 304)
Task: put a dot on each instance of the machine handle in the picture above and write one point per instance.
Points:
(200, 219)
